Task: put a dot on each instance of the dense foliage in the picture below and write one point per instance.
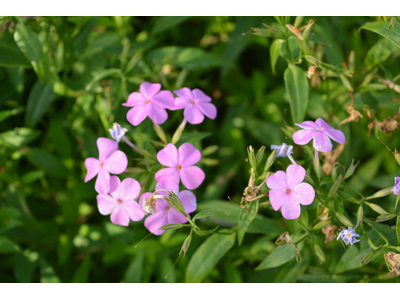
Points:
(63, 80)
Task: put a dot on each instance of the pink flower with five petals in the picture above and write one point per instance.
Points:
(120, 202)
(288, 191)
(196, 105)
(180, 165)
(320, 132)
(110, 160)
(164, 213)
(149, 102)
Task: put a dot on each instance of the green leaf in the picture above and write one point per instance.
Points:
(11, 58)
(81, 39)
(167, 22)
(207, 213)
(382, 28)
(5, 114)
(103, 74)
(47, 274)
(82, 273)
(171, 226)
(7, 246)
(320, 253)
(344, 220)
(205, 232)
(47, 162)
(335, 186)
(246, 217)
(40, 98)
(274, 52)
(376, 208)
(398, 230)
(385, 217)
(280, 256)
(297, 88)
(30, 46)
(321, 224)
(18, 137)
(25, 264)
(192, 137)
(207, 256)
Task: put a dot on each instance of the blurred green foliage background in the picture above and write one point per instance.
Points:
(62, 82)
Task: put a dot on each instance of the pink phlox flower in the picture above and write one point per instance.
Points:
(110, 160)
(164, 213)
(120, 202)
(149, 102)
(320, 132)
(196, 105)
(288, 191)
(180, 165)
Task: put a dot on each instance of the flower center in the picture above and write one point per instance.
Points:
(287, 191)
(101, 164)
(168, 208)
(179, 167)
(147, 101)
(348, 235)
(192, 101)
(119, 201)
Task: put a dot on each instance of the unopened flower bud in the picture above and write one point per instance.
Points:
(117, 132)
(283, 150)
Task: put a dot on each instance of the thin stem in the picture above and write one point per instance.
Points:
(129, 143)
(292, 159)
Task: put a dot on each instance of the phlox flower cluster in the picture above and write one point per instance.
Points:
(119, 199)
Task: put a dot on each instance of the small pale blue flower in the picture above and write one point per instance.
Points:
(396, 187)
(283, 150)
(348, 236)
(117, 132)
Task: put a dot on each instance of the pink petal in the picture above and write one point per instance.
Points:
(106, 204)
(321, 142)
(148, 89)
(120, 216)
(167, 174)
(323, 125)
(188, 155)
(157, 114)
(134, 99)
(168, 156)
(174, 216)
(164, 99)
(116, 163)
(133, 209)
(200, 96)
(184, 93)
(307, 125)
(130, 189)
(102, 185)
(290, 209)
(106, 147)
(169, 185)
(115, 187)
(208, 109)
(188, 200)
(193, 114)
(336, 135)
(153, 222)
(333, 133)
(180, 103)
(192, 177)
(277, 181)
(294, 175)
(302, 137)
(142, 197)
(276, 198)
(92, 165)
(137, 114)
(303, 193)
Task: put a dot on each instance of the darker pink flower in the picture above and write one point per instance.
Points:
(180, 165)
(164, 213)
(320, 132)
(110, 160)
(196, 105)
(288, 191)
(149, 102)
(120, 202)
